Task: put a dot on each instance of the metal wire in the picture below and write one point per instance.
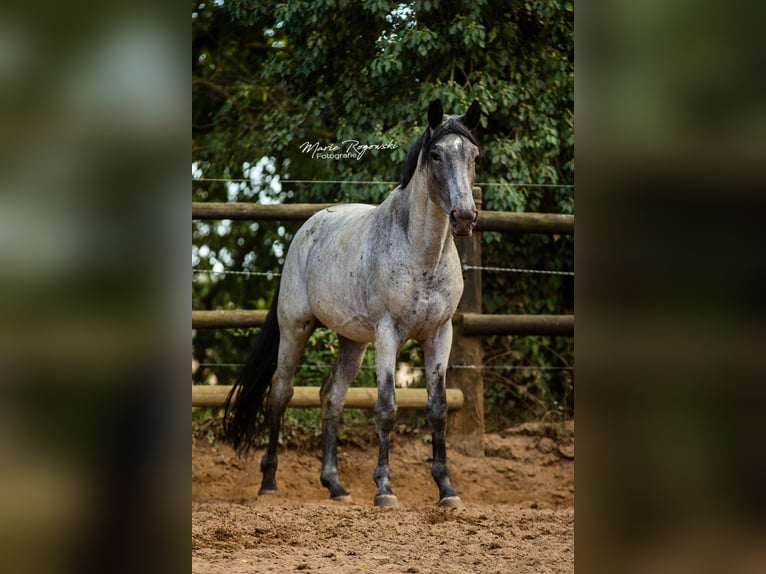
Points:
(343, 182)
(483, 367)
(516, 270)
(465, 268)
(231, 272)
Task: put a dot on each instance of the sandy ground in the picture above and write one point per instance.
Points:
(519, 514)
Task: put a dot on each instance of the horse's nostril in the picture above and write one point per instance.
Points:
(452, 217)
(475, 216)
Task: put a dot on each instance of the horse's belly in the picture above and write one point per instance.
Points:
(340, 304)
(340, 314)
(354, 329)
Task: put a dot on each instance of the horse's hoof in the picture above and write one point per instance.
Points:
(343, 498)
(451, 502)
(386, 500)
(263, 492)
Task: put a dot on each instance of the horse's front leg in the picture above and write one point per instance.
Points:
(387, 343)
(436, 350)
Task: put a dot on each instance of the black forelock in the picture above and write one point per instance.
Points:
(427, 140)
(452, 126)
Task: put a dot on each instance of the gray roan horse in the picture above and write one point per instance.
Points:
(373, 274)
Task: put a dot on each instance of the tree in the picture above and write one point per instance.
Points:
(271, 76)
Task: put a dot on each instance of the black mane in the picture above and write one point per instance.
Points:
(427, 139)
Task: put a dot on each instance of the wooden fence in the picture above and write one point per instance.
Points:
(465, 385)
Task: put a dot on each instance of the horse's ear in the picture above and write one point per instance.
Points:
(435, 114)
(472, 116)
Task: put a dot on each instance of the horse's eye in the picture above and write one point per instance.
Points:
(435, 156)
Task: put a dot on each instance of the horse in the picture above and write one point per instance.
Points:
(379, 275)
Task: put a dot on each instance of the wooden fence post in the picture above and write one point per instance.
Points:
(465, 428)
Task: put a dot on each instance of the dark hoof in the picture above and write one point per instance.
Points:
(264, 492)
(343, 498)
(451, 502)
(386, 500)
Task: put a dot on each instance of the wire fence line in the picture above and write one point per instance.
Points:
(361, 182)
(516, 270)
(416, 367)
(231, 272)
(465, 268)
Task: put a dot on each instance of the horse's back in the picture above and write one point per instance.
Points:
(338, 215)
(334, 231)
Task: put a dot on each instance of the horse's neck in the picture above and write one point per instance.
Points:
(427, 224)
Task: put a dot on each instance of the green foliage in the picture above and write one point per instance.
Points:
(269, 76)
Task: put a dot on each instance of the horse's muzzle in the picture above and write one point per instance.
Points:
(462, 222)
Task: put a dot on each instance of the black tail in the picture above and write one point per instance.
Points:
(243, 420)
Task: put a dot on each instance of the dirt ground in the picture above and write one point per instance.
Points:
(519, 514)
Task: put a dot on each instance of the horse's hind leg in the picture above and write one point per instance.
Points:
(333, 394)
(436, 351)
(291, 344)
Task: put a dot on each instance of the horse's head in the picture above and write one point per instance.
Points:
(449, 156)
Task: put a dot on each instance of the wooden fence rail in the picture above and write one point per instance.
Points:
(308, 397)
(488, 220)
(474, 324)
